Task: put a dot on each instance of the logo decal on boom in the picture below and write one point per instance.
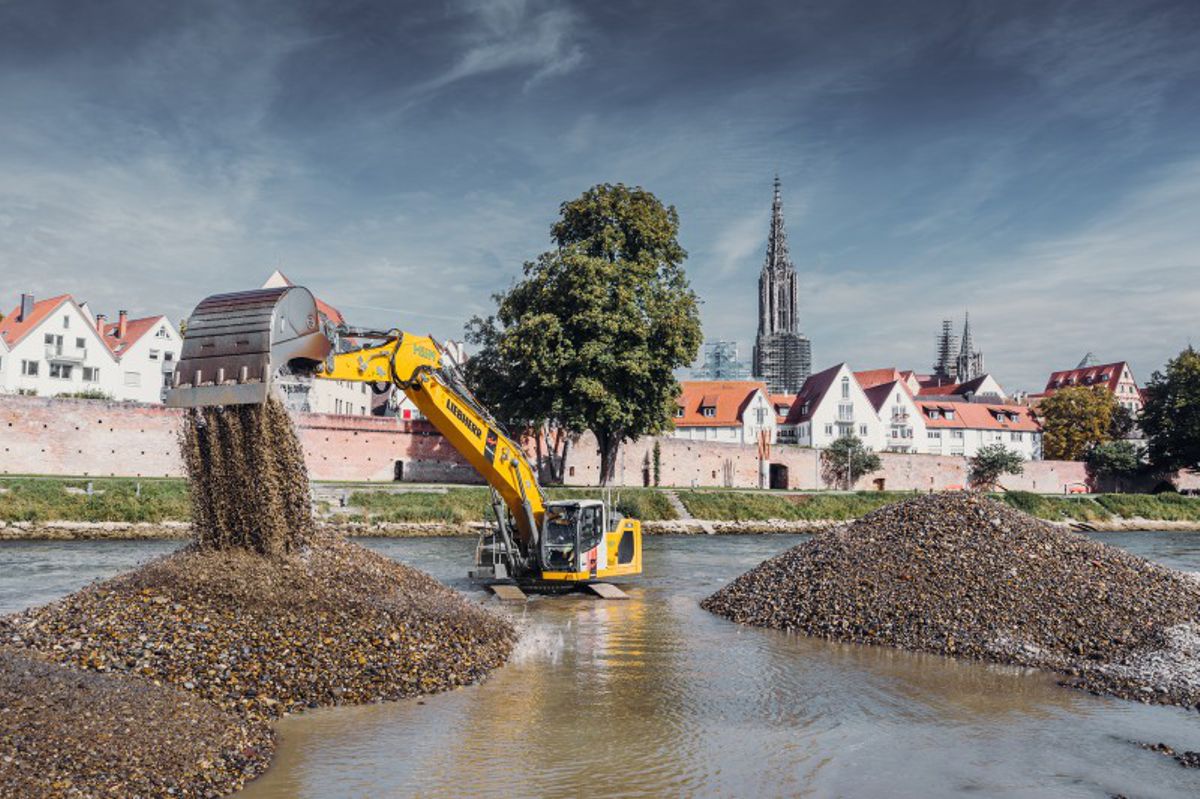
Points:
(461, 415)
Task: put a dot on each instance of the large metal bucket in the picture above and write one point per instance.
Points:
(236, 343)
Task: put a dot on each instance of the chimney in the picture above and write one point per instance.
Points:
(100, 320)
(122, 323)
(26, 307)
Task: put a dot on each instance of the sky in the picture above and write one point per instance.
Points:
(1037, 164)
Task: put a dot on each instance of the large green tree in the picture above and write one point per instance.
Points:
(1076, 419)
(1115, 460)
(590, 338)
(1171, 415)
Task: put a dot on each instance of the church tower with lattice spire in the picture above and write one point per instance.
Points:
(782, 355)
(970, 360)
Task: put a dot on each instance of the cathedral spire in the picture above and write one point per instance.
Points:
(782, 355)
(968, 346)
(777, 246)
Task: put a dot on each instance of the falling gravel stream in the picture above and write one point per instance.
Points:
(655, 697)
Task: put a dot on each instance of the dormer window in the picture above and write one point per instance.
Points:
(949, 413)
(934, 413)
(678, 411)
(708, 410)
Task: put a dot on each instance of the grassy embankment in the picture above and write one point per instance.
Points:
(117, 500)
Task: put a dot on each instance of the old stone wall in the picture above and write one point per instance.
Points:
(95, 438)
(707, 464)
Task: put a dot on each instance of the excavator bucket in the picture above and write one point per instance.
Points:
(235, 345)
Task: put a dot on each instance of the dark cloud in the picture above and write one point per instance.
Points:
(410, 156)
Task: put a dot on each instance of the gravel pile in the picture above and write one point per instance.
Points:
(65, 732)
(963, 575)
(187, 659)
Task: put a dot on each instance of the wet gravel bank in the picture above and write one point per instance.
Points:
(963, 575)
(66, 732)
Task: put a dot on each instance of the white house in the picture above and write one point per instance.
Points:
(902, 428)
(729, 411)
(832, 404)
(55, 346)
(52, 347)
(962, 428)
(146, 350)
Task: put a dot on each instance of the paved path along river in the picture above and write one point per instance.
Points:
(654, 697)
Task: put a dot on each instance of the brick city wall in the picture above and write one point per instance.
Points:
(96, 438)
(697, 463)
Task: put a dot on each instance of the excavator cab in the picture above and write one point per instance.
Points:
(584, 539)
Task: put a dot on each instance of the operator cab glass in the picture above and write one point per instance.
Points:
(571, 530)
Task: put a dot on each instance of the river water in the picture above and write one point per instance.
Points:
(654, 697)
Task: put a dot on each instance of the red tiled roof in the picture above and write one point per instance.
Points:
(979, 416)
(728, 397)
(810, 395)
(13, 330)
(879, 394)
(134, 330)
(1108, 375)
(782, 403)
(877, 377)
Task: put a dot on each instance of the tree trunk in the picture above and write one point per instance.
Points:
(537, 445)
(609, 442)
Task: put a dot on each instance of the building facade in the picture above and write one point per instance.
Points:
(55, 346)
(782, 354)
(1116, 377)
(729, 411)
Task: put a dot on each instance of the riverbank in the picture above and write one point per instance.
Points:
(121, 509)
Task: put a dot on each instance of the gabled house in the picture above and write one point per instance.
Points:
(147, 351)
(984, 387)
(52, 347)
(902, 427)
(832, 404)
(1116, 377)
(962, 428)
(729, 411)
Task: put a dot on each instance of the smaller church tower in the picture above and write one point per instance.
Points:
(970, 360)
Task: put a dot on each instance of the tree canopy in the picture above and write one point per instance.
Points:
(1116, 460)
(590, 338)
(1076, 419)
(845, 460)
(1171, 415)
(992, 461)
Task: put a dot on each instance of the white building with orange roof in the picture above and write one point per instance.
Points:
(963, 428)
(830, 405)
(52, 347)
(728, 411)
(55, 346)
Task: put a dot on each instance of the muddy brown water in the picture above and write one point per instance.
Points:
(654, 697)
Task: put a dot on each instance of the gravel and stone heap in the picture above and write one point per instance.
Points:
(66, 732)
(960, 574)
(261, 615)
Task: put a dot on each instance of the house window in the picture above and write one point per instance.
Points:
(66, 322)
(934, 413)
(91, 374)
(60, 371)
(1017, 436)
(708, 410)
(29, 368)
(170, 356)
(678, 411)
(949, 413)
(80, 343)
(935, 434)
(162, 333)
(845, 388)
(133, 379)
(154, 355)
(167, 379)
(862, 429)
(761, 416)
(828, 429)
(956, 434)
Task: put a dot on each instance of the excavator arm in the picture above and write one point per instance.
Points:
(237, 344)
(414, 364)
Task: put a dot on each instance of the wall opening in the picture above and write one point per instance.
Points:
(779, 476)
(398, 471)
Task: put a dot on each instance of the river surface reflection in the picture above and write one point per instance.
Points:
(655, 697)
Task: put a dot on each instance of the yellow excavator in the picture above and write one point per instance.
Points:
(236, 345)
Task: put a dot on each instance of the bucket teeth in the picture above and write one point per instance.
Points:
(250, 335)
